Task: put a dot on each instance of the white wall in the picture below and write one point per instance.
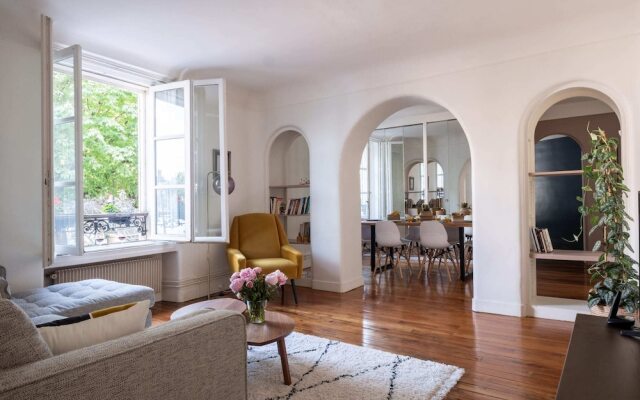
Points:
(20, 148)
(492, 103)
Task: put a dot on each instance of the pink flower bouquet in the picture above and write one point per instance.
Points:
(255, 289)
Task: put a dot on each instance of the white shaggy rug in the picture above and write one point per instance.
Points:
(328, 369)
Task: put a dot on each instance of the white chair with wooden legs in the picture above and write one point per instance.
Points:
(389, 240)
(434, 238)
(468, 244)
(413, 239)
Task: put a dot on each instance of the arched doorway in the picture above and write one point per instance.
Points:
(414, 137)
(558, 135)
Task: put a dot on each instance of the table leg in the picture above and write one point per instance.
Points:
(461, 241)
(282, 350)
(373, 247)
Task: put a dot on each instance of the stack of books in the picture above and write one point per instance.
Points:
(299, 206)
(540, 240)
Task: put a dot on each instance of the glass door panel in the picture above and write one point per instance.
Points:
(67, 151)
(210, 164)
(169, 167)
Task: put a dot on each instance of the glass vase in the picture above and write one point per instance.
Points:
(255, 311)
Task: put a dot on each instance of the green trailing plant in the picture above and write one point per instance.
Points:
(603, 182)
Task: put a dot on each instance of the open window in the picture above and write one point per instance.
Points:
(187, 160)
(173, 161)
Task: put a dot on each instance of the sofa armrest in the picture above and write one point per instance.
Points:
(292, 254)
(237, 260)
(174, 360)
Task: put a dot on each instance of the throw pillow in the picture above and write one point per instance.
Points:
(20, 342)
(62, 339)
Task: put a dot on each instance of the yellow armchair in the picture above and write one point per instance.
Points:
(259, 240)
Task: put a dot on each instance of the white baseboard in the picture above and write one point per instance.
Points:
(189, 289)
(557, 308)
(498, 307)
(339, 287)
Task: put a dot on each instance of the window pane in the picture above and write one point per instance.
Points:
(170, 218)
(206, 144)
(170, 163)
(65, 145)
(64, 223)
(170, 113)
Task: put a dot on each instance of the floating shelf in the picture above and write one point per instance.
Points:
(557, 173)
(569, 255)
(289, 186)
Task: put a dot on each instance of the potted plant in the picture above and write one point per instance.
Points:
(465, 208)
(614, 271)
(255, 289)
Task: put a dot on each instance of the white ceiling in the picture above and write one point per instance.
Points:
(264, 44)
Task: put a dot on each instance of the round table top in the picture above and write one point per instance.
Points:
(276, 326)
(215, 304)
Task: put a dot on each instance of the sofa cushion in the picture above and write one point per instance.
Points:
(20, 342)
(77, 298)
(94, 330)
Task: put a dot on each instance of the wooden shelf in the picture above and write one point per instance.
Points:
(557, 173)
(289, 186)
(294, 215)
(569, 255)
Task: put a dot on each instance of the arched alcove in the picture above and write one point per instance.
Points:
(289, 191)
(557, 134)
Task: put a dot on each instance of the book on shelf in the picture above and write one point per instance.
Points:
(540, 240)
(275, 205)
(304, 234)
(299, 206)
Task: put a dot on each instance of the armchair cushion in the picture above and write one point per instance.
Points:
(269, 265)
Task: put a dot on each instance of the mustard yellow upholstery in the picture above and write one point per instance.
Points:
(259, 240)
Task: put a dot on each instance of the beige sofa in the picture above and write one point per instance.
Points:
(203, 356)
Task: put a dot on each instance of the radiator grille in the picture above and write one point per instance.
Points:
(140, 271)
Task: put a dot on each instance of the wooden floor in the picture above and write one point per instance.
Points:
(504, 357)
(564, 279)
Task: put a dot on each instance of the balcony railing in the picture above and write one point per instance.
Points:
(114, 228)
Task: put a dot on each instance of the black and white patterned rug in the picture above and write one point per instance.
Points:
(328, 369)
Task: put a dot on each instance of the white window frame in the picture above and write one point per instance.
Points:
(224, 162)
(74, 52)
(150, 161)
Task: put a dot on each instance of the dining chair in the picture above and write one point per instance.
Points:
(365, 233)
(388, 239)
(434, 238)
(468, 244)
(412, 238)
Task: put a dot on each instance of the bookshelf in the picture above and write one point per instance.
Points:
(292, 203)
(288, 177)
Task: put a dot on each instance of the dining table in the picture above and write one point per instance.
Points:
(459, 224)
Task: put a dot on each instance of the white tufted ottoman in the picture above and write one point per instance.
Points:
(76, 298)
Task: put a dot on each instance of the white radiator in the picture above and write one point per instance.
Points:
(139, 271)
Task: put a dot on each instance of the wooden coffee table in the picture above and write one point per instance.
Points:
(216, 304)
(275, 328)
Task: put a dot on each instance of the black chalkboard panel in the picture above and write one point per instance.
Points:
(556, 203)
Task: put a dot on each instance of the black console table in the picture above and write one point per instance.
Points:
(600, 363)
